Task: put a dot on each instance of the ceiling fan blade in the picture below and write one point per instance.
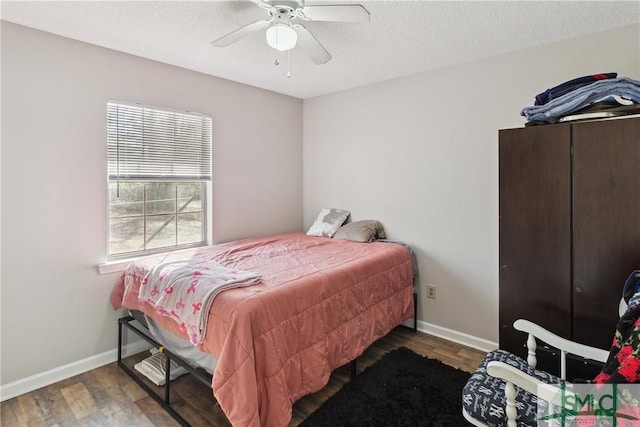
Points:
(240, 33)
(310, 45)
(336, 13)
(262, 4)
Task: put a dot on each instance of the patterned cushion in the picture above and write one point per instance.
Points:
(483, 396)
(327, 222)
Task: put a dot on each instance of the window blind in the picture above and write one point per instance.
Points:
(146, 143)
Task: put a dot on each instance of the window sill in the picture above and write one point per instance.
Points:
(119, 265)
(114, 266)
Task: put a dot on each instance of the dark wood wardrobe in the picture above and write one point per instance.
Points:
(569, 224)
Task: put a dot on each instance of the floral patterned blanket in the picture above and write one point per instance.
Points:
(184, 291)
(623, 364)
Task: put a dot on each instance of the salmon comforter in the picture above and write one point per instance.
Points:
(320, 304)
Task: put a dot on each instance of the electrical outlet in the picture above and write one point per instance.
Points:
(431, 291)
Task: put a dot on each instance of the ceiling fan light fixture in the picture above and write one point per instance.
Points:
(281, 37)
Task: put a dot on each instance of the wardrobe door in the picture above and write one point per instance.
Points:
(606, 207)
(534, 227)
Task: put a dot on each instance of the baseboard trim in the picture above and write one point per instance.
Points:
(454, 336)
(46, 378)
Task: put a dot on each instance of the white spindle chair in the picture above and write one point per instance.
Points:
(502, 368)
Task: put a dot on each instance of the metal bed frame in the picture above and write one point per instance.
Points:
(200, 374)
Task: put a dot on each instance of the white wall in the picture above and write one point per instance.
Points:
(55, 306)
(420, 154)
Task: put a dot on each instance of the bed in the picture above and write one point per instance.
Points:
(319, 304)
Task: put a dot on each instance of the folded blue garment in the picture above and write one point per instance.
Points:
(568, 86)
(583, 97)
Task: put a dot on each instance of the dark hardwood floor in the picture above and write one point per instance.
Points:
(108, 397)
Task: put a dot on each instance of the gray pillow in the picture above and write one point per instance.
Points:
(366, 230)
(327, 222)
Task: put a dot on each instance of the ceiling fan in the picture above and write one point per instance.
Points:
(283, 32)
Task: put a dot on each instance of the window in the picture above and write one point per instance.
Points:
(159, 166)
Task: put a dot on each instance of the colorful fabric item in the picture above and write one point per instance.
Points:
(623, 364)
(568, 86)
(184, 290)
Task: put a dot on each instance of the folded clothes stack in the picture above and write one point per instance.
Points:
(153, 367)
(598, 95)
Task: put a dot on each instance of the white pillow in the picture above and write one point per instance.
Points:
(327, 222)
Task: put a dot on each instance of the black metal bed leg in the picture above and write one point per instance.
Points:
(415, 312)
(165, 404)
(167, 377)
(119, 343)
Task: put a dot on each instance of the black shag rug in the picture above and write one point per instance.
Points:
(401, 389)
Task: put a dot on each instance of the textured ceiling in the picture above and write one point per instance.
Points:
(403, 37)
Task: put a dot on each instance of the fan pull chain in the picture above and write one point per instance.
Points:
(289, 64)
